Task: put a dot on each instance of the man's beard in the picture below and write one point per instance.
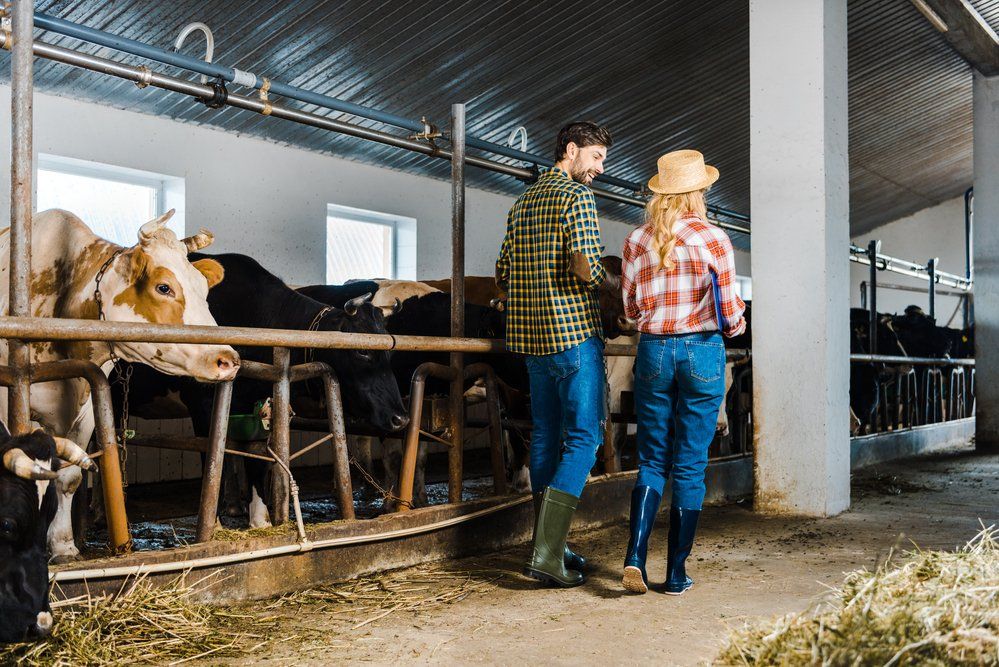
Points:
(580, 175)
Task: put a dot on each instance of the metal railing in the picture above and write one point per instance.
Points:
(917, 391)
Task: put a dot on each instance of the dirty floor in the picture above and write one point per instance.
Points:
(746, 566)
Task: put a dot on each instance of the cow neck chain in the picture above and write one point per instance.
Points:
(122, 377)
(310, 352)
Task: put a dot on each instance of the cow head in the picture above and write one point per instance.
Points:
(612, 316)
(374, 398)
(919, 334)
(153, 281)
(27, 505)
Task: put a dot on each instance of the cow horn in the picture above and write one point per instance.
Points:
(25, 467)
(351, 306)
(396, 307)
(498, 303)
(202, 239)
(68, 450)
(148, 231)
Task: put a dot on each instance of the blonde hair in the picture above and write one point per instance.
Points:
(662, 212)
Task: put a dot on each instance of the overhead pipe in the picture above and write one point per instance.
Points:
(907, 268)
(251, 80)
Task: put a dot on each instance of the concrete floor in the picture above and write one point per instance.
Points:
(746, 566)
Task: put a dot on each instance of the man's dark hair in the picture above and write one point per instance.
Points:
(582, 133)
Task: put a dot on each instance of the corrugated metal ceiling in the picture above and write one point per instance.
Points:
(662, 75)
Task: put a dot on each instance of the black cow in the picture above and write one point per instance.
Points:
(27, 507)
(919, 334)
(430, 315)
(251, 296)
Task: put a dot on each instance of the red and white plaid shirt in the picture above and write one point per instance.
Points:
(682, 300)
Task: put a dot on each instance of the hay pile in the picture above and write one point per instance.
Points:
(375, 597)
(929, 608)
(142, 625)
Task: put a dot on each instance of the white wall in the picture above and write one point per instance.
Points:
(937, 231)
(268, 200)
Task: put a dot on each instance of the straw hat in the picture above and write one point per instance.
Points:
(682, 171)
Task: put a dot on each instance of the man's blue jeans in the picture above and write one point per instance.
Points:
(567, 407)
(679, 387)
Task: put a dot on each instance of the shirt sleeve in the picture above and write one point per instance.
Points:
(628, 275)
(583, 231)
(503, 261)
(731, 305)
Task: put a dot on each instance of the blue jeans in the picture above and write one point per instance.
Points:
(679, 387)
(567, 407)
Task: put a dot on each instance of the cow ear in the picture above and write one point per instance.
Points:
(138, 263)
(212, 271)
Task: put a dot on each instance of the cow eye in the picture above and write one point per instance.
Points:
(164, 289)
(8, 529)
(364, 354)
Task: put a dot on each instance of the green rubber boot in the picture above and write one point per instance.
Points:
(547, 562)
(573, 561)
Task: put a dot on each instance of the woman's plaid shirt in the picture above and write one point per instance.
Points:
(549, 309)
(682, 300)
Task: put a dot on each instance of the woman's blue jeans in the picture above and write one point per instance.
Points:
(679, 387)
(567, 408)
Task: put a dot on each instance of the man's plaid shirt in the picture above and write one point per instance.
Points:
(549, 309)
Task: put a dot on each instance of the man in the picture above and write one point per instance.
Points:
(549, 265)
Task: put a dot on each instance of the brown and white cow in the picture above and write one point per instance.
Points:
(152, 281)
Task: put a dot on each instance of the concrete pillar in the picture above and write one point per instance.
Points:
(800, 219)
(986, 252)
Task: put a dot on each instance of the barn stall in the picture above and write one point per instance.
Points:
(906, 419)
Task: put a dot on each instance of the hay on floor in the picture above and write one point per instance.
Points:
(142, 624)
(926, 608)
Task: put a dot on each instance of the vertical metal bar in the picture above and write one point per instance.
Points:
(412, 442)
(863, 294)
(457, 403)
(281, 435)
(111, 484)
(344, 491)
(211, 476)
(21, 63)
(872, 252)
(931, 268)
(969, 262)
(495, 435)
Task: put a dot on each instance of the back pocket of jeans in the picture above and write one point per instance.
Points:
(564, 364)
(649, 363)
(706, 360)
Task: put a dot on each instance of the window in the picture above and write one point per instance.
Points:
(368, 244)
(744, 288)
(113, 201)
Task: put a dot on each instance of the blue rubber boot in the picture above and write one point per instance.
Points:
(682, 526)
(644, 505)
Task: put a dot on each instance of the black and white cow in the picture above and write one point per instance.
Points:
(27, 506)
(251, 296)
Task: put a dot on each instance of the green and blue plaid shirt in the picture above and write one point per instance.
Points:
(549, 309)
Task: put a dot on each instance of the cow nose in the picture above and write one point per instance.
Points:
(624, 324)
(43, 624)
(399, 422)
(227, 364)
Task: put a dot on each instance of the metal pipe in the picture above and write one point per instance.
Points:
(873, 248)
(344, 491)
(407, 472)
(46, 328)
(907, 268)
(21, 85)
(863, 294)
(914, 361)
(961, 294)
(107, 440)
(229, 74)
(211, 476)
(281, 433)
(931, 269)
(145, 77)
(457, 394)
(495, 426)
(968, 314)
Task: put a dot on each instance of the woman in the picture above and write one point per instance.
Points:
(677, 282)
